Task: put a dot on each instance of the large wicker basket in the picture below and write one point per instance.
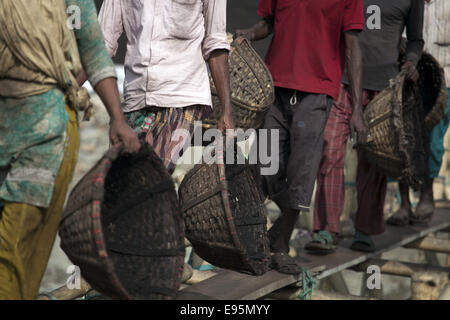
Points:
(433, 89)
(395, 143)
(224, 217)
(123, 227)
(252, 90)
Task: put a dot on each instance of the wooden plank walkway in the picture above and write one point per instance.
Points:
(230, 285)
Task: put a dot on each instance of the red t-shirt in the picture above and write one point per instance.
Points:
(307, 49)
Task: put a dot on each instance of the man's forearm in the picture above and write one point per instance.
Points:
(218, 64)
(414, 50)
(108, 92)
(353, 58)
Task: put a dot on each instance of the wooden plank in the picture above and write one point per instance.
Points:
(399, 268)
(230, 285)
(431, 244)
(290, 293)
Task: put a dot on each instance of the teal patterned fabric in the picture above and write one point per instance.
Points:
(437, 149)
(32, 130)
(91, 45)
(32, 135)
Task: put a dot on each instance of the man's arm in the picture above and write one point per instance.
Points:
(119, 131)
(100, 71)
(218, 64)
(415, 43)
(215, 51)
(353, 59)
(259, 31)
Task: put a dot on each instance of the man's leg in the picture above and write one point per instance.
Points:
(309, 117)
(401, 217)
(330, 192)
(371, 186)
(27, 233)
(277, 120)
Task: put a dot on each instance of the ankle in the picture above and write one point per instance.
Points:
(426, 195)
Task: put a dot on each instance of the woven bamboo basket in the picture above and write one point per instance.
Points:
(433, 89)
(224, 217)
(395, 143)
(123, 227)
(252, 90)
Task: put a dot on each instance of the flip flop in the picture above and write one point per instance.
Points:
(284, 263)
(322, 244)
(362, 243)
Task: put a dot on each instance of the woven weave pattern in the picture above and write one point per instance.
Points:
(224, 217)
(123, 228)
(395, 140)
(433, 89)
(252, 90)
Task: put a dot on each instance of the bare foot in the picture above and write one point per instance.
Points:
(424, 209)
(401, 217)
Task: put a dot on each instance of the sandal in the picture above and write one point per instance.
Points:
(362, 243)
(399, 219)
(323, 243)
(284, 263)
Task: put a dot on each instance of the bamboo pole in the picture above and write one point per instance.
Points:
(428, 285)
(64, 293)
(431, 244)
(293, 293)
(444, 295)
(199, 276)
(335, 283)
(188, 272)
(397, 268)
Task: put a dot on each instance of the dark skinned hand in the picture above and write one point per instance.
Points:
(411, 71)
(358, 126)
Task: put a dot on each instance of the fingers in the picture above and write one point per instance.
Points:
(242, 33)
(122, 133)
(113, 137)
(237, 34)
(362, 137)
(414, 75)
(130, 142)
(411, 71)
(221, 126)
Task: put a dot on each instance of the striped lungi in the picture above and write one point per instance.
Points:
(167, 130)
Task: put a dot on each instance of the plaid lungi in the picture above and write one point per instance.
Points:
(167, 130)
(370, 183)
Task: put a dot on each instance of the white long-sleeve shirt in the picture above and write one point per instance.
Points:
(437, 33)
(168, 44)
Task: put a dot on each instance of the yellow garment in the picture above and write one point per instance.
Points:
(27, 233)
(38, 51)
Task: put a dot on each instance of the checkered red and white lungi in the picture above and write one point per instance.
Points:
(370, 183)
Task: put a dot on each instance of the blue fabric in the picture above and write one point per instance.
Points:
(437, 142)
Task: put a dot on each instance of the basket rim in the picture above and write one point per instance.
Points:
(95, 213)
(441, 100)
(237, 45)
